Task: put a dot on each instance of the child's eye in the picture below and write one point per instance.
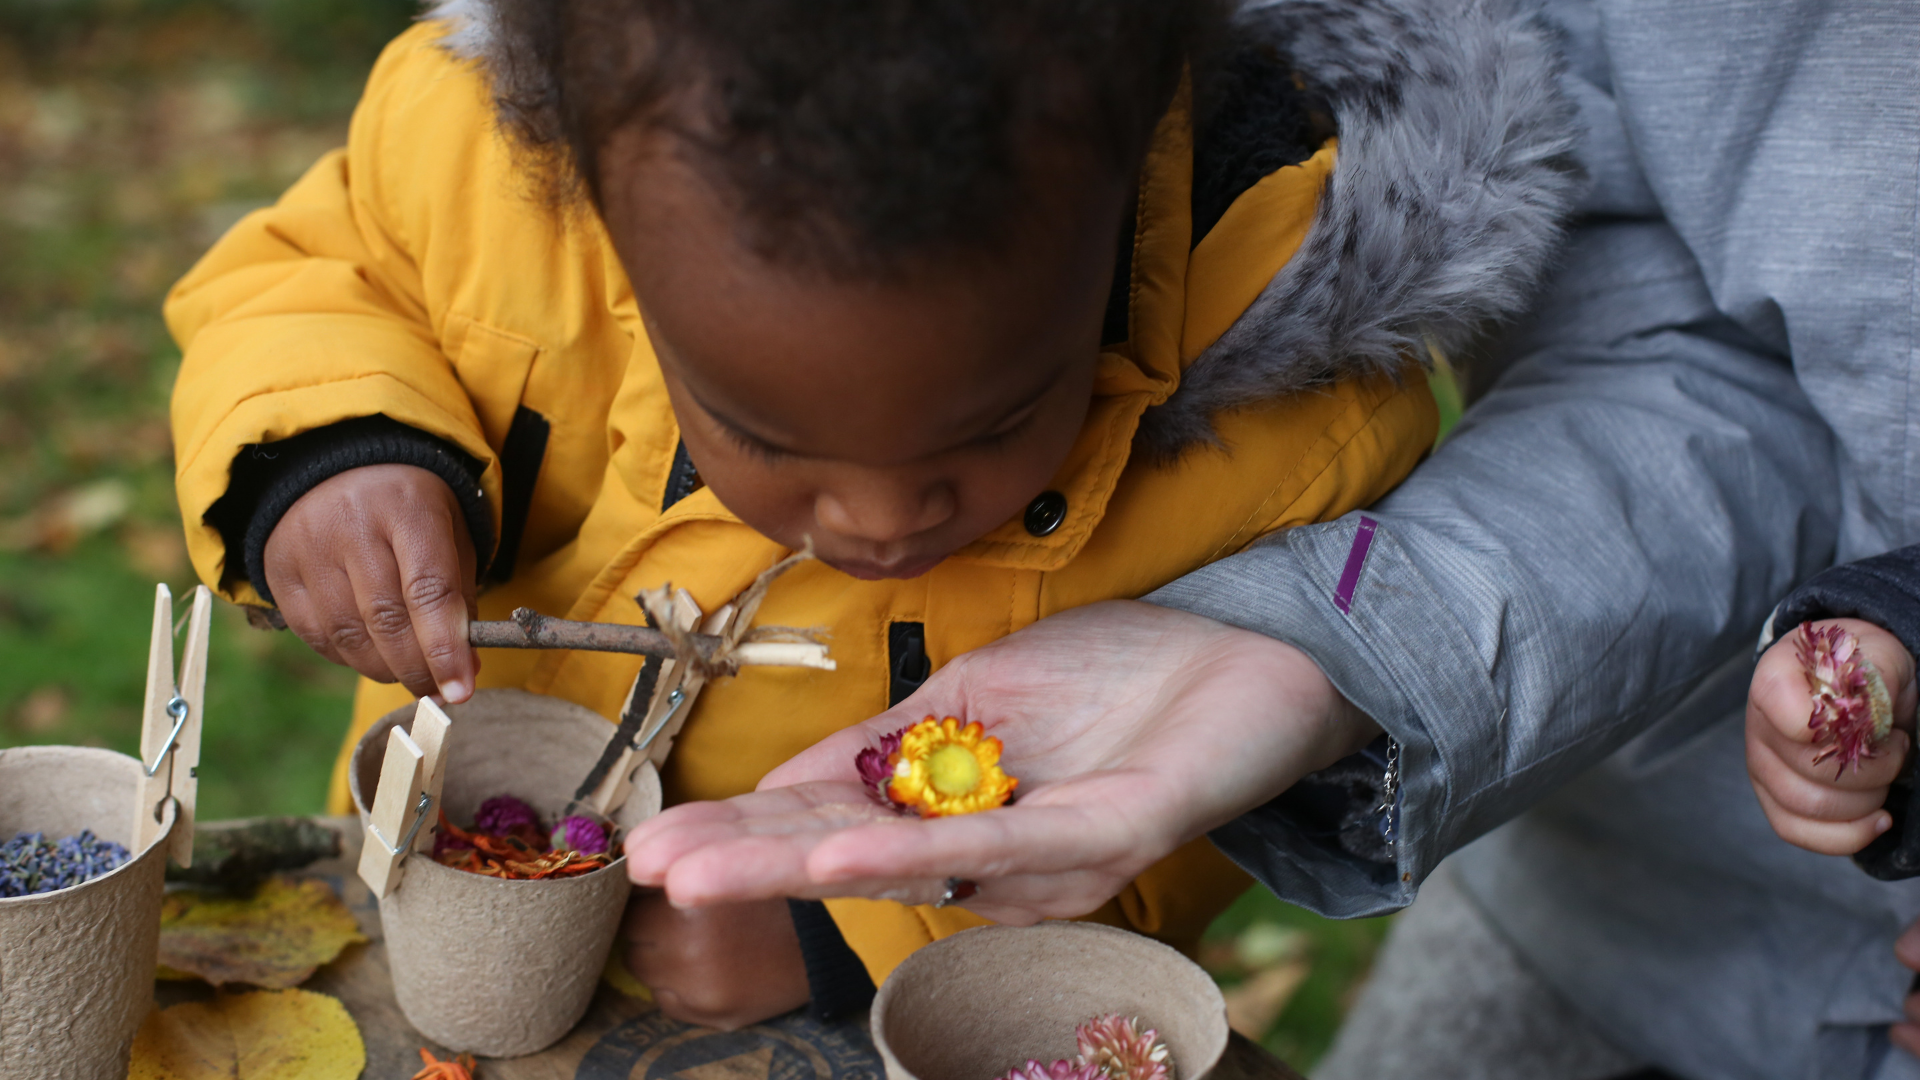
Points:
(999, 439)
(754, 448)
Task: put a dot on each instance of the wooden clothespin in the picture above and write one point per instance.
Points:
(171, 724)
(408, 798)
(671, 700)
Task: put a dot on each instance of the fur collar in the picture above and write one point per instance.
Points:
(1454, 175)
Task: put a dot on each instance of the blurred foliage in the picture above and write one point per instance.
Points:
(1312, 968)
(132, 134)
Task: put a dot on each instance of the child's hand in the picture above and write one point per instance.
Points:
(374, 569)
(1807, 804)
(724, 966)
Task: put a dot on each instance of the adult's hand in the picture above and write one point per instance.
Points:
(1823, 808)
(374, 569)
(1132, 729)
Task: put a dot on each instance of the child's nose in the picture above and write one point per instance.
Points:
(884, 512)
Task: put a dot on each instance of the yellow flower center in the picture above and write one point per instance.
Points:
(953, 770)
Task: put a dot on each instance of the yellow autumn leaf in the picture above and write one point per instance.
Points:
(274, 939)
(269, 1035)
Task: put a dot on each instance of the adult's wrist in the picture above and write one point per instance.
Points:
(1321, 726)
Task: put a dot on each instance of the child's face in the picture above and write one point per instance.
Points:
(893, 422)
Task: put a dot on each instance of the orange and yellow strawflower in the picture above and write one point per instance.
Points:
(943, 768)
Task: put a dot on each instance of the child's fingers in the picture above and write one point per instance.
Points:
(1822, 837)
(1816, 798)
(333, 626)
(380, 606)
(433, 557)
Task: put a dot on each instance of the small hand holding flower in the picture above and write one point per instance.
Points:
(1829, 713)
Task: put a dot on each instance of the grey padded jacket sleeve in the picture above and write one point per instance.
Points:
(1611, 522)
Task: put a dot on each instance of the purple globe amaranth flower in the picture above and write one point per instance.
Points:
(1117, 1048)
(502, 814)
(1059, 1070)
(582, 834)
(875, 765)
(1852, 711)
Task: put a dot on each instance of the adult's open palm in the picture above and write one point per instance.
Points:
(1132, 728)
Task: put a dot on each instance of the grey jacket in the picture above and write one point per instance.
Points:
(1555, 615)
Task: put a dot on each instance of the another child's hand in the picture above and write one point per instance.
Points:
(374, 569)
(724, 966)
(1807, 804)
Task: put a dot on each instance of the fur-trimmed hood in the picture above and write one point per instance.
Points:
(1454, 175)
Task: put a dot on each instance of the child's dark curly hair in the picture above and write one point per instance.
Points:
(849, 134)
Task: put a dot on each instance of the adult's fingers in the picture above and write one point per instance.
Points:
(767, 833)
(1088, 822)
(1823, 837)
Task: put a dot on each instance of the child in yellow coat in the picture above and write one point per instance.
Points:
(602, 295)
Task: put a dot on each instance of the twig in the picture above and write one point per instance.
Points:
(528, 629)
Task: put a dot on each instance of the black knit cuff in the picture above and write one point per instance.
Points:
(836, 978)
(268, 478)
(1883, 590)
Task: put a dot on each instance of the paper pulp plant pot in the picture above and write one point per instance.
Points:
(77, 964)
(494, 967)
(983, 1001)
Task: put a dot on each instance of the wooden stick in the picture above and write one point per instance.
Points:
(528, 629)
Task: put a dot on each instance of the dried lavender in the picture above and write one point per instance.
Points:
(30, 863)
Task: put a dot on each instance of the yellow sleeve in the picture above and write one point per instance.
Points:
(313, 311)
(1174, 900)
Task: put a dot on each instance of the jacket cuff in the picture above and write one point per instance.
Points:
(836, 979)
(1883, 590)
(268, 478)
(1346, 594)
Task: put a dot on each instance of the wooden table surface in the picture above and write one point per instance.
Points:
(621, 1038)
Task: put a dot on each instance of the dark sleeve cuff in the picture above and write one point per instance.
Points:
(1883, 590)
(268, 478)
(836, 978)
(1345, 806)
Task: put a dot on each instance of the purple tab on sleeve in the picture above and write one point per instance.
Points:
(1356, 561)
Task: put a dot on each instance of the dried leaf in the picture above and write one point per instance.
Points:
(270, 1035)
(276, 938)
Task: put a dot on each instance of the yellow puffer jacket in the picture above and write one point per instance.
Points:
(411, 275)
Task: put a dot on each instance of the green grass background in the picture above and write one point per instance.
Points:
(132, 133)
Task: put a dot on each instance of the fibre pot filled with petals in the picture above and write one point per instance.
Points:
(498, 930)
(1057, 1001)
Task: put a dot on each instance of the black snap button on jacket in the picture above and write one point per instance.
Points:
(1045, 513)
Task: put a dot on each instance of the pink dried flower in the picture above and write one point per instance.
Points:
(1852, 711)
(582, 834)
(1059, 1070)
(876, 768)
(1120, 1050)
(502, 814)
